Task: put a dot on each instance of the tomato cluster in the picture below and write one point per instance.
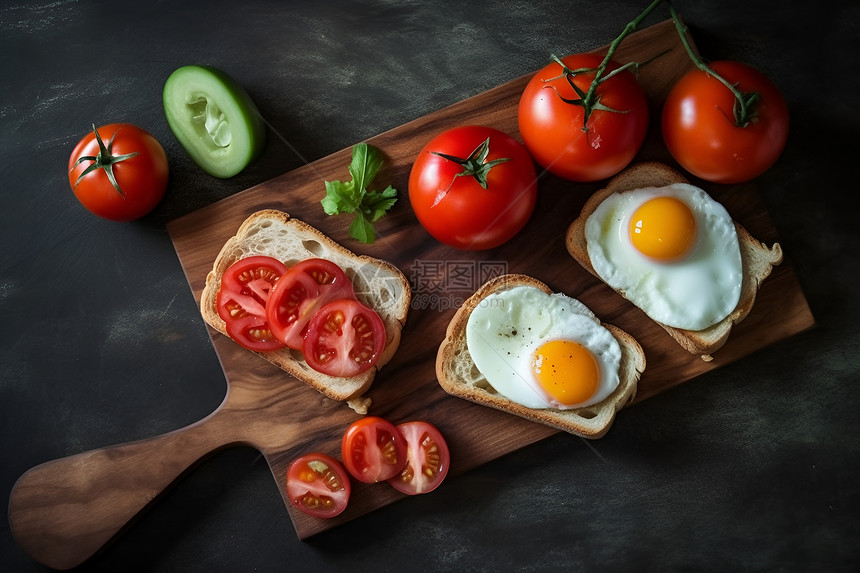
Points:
(584, 118)
(412, 457)
(310, 306)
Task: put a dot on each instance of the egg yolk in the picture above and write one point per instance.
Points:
(663, 228)
(566, 370)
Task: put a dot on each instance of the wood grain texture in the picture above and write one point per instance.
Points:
(63, 511)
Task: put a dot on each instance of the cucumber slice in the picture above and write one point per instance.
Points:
(214, 119)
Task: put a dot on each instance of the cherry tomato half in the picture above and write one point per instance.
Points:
(344, 338)
(556, 133)
(480, 204)
(300, 293)
(242, 298)
(318, 485)
(427, 458)
(700, 130)
(373, 449)
(133, 158)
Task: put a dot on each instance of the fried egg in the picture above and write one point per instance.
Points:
(541, 350)
(672, 251)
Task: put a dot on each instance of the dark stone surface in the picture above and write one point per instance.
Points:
(755, 466)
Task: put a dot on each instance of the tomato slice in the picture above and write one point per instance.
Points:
(344, 338)
(242, 298)
(214, 119)
(373, 450)
(427, 458)
(318, 485)
(299, 293)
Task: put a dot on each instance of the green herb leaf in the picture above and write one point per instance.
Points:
(361, 229)
(377, 204)
(354, 197)
(340, 198)
(366, 163)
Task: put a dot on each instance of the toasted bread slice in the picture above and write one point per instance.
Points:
(378, 284)
(458, 375)
(757, 259)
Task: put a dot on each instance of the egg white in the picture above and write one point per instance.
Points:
(506, 327)
(693, 293)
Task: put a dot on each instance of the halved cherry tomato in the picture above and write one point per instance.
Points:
(318, 485)
(241, 301)
(427, 458)
(373, 449)
(344, 338)
(300, 293)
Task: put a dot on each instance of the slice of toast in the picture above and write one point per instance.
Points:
(378, 284)
(458, 375)
(757, 259)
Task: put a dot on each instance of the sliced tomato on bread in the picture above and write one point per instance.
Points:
(300, 293)
(344, 338)
(242, 298)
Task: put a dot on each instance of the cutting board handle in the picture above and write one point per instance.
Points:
(63, 511)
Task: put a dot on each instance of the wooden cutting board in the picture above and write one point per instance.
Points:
(283, 418)
(407, 388)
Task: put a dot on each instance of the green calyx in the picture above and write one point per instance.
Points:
(590, 100)
(103, 160)
(476, 165)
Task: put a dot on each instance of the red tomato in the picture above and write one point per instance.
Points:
(344, 338)
(427, 458)
(299, 293)
(373, 450)
(557, 134)
(241, 301)
(133, 158)
(466, 199)
(318, 485)
(700, 130)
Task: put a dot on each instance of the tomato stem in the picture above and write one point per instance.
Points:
(103, 160)
(745, 103)
(589, 100)
(628, 29)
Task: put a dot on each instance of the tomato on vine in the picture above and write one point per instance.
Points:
(582, 125)
(123, 179)
(584, 117)
(724, 123)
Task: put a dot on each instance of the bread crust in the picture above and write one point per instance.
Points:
(458, 375)
(757, 259)
(275, 233)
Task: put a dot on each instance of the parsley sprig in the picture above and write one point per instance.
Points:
(354, 197)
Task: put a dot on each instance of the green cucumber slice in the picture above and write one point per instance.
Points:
(214, 119)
